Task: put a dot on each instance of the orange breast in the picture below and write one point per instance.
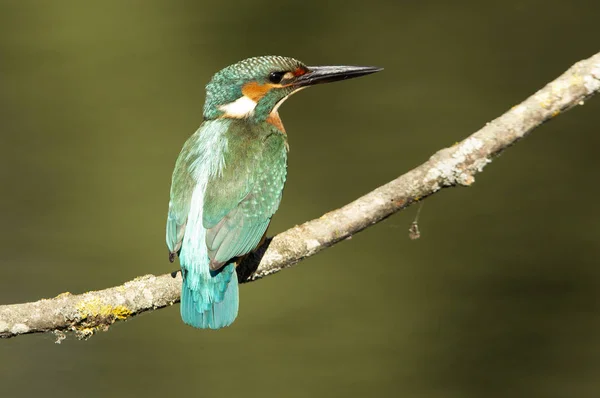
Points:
(275, 120)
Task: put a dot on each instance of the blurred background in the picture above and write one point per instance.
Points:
(500, 296)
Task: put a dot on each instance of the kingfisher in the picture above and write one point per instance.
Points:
(229, 178)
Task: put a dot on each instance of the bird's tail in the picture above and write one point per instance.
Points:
(214, 304)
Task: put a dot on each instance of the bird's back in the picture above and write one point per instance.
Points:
(226, 186)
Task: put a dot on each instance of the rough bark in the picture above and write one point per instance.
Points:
(455, 166)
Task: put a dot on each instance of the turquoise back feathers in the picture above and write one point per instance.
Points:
(227, 185)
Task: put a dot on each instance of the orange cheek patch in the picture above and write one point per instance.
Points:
(256, 91)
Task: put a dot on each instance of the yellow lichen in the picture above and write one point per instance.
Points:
(65, 294)
(94, 315)
(120, 312)
(95, 308)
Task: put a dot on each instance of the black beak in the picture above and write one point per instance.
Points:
(328, 74)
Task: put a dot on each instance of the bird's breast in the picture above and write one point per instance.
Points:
(274, 120)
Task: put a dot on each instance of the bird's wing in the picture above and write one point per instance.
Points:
(182, 188)
(175, 229)
(239, 203)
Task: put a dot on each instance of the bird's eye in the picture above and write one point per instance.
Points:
(275, 77)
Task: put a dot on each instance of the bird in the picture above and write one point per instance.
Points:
(229, 177)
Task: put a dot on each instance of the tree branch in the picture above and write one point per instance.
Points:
(86, 313)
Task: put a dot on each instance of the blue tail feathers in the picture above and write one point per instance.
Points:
(221, 307)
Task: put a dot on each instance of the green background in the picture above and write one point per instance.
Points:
(498, 298)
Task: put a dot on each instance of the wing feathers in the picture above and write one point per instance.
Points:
(240, 202)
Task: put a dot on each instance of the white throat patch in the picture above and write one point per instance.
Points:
(244, 106)
(240, 108)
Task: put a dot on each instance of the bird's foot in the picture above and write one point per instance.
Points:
(174, 273)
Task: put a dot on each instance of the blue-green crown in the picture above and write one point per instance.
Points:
(226, 85)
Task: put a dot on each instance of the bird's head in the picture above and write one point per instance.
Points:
(255, 87)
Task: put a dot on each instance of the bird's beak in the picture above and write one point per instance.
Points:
(328, 74)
